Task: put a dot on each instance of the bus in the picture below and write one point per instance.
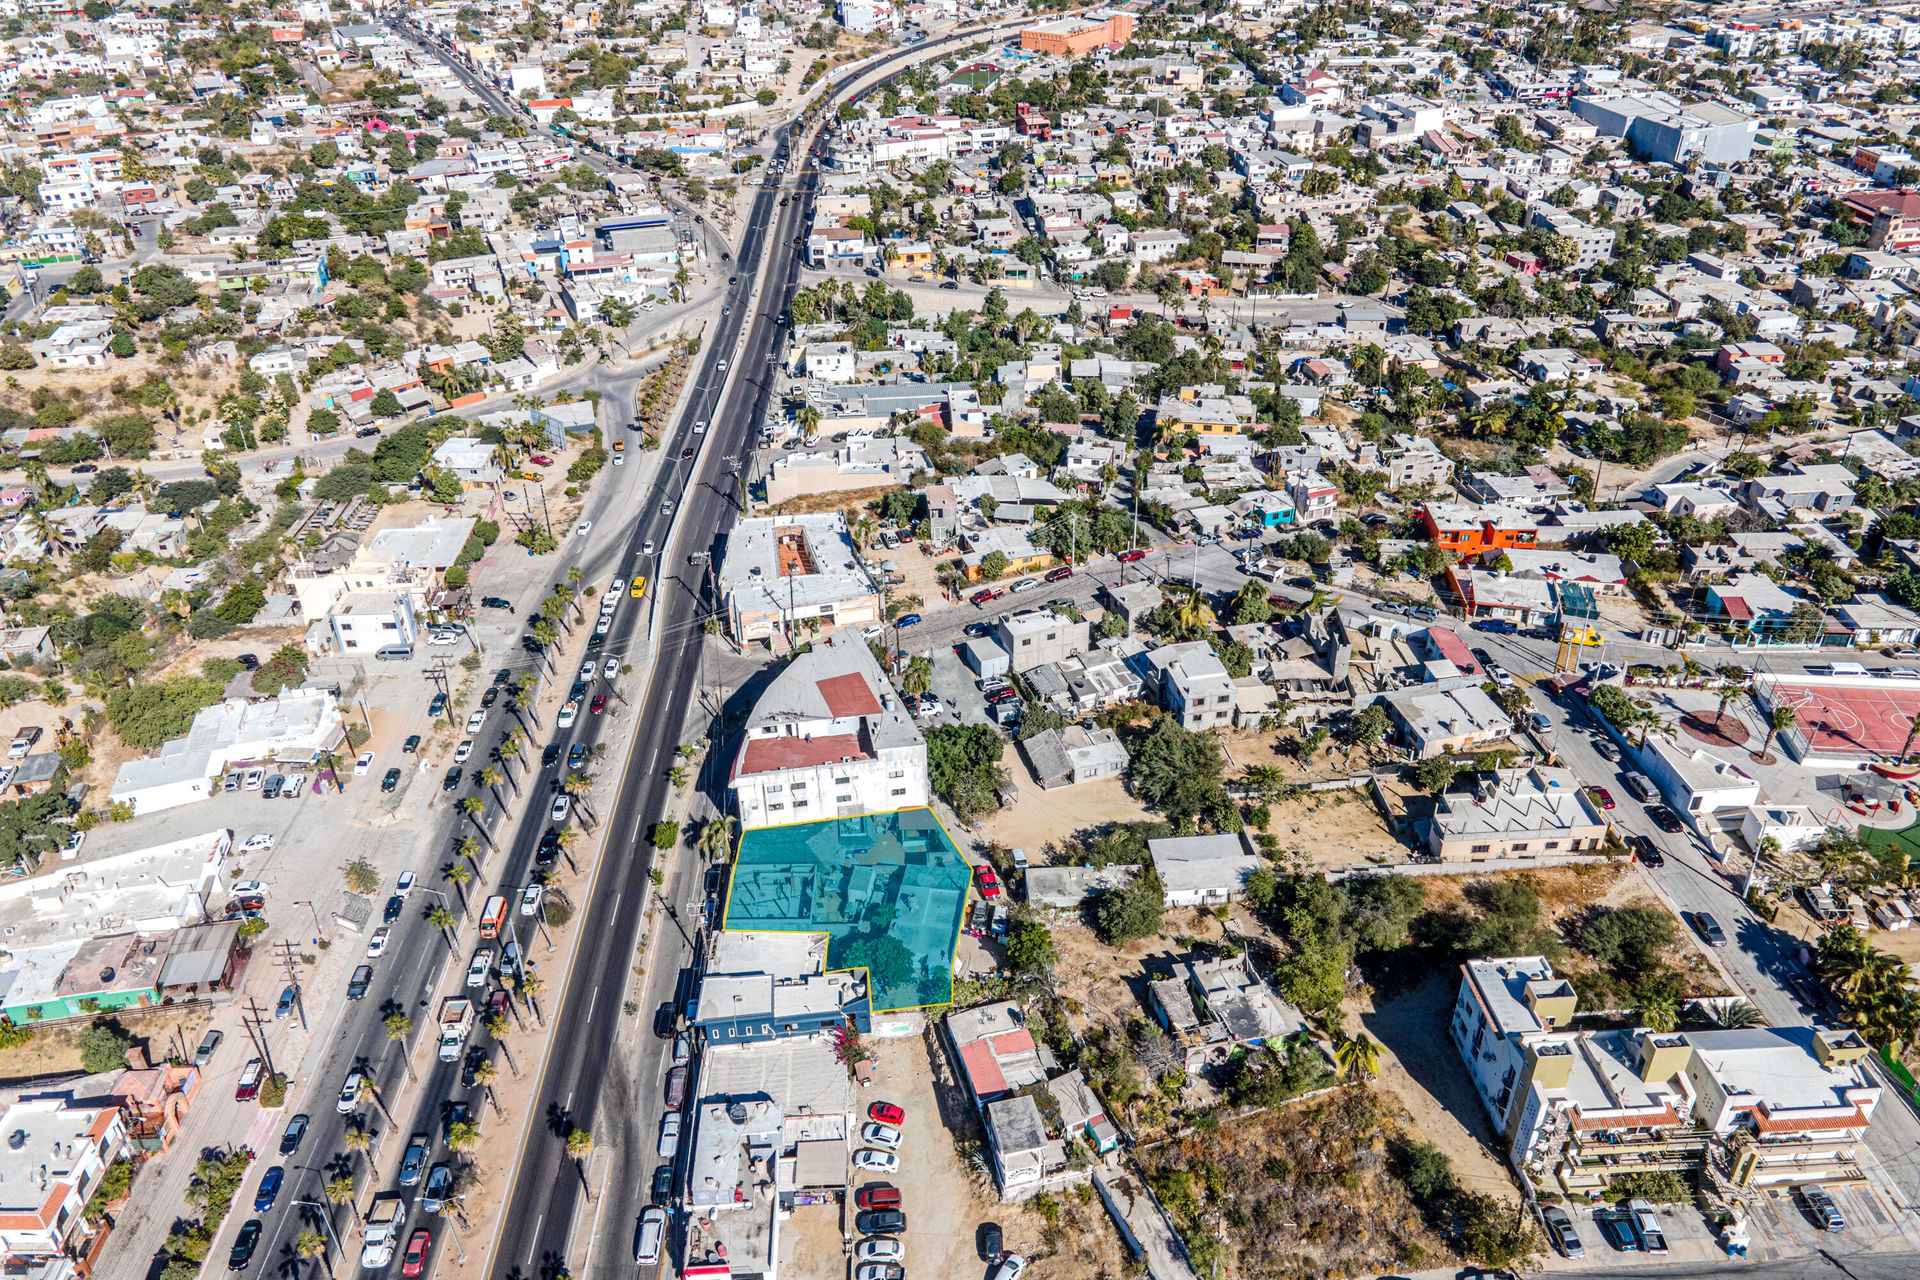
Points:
(493, 916)
(639, 588)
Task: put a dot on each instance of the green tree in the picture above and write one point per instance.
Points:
(1436, 773)
(1030, 949)
(103, 1047)
(1178, 772)
(1131, 911)
(1249, 606)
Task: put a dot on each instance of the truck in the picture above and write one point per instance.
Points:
(386, 1219)
(456, 1020)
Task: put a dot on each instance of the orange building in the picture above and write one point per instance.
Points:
(1072, 37)
(1467, 531)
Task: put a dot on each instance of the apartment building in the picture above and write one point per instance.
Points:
(828, 739)
(1520, 813)
(782, 573)
(1768, 1107)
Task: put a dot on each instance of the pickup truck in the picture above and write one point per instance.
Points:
(456, 1021)
(386, 1219)
(23, 740)
(1646, 1224)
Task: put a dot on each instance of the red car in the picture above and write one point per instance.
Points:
(598, 704)
(877, 1196)
(541, 460)
(989, 883)
(1061, 574)
(1600, 796)
(887, 1113)
(497, 1002)
(1129, 556)
(985, 595)
(414, 1261)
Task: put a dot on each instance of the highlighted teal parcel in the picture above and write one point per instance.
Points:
(887, 889)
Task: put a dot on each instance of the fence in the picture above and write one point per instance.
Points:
(1470, 868)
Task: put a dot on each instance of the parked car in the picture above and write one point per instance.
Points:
(1820, 1207)
(987, 882)
(1664, 818)
(377, 943)
(662, 1189)
(1646, 852)
(1646, 1226)
(1560, 1232)
(1060, 574)
(876, 1161)
(1600, 796)
(289, 997)
(1617, 1230)
(1496, 626)
(349, 1093)
(208, 1043)
(880, 1249)
(669, 1143)
(1131, 554)
(247, 1088)
(877, 1195)
(650, 1235)
(480, 967)
(391, 782)
(874, 1222)
(1011, 1267)
(881, 1135)
(887, 1113)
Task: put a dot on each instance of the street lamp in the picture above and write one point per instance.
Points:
(303, 902)
(326, 1220)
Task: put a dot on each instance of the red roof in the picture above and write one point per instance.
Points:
(1447, 643)
(848, 695)
(769, 755)
(1736, 608)
(982, 1070)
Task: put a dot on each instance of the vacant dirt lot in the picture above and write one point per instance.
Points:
(1036, 817)
(1335, 829)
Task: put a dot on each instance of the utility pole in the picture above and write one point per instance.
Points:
(255, 1021)
(291, 964)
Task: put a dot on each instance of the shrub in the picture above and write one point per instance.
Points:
(103, 1046)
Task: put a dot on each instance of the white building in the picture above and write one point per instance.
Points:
(52, 1160)
(296, 726)
(781, 572)
(828, 739)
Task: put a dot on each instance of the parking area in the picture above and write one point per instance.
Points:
(954, 684)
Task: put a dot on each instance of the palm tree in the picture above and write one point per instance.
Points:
(1913, 730)
(1726, 691)
(472, 806)
(469, 848)
(484, 1074)
(356, 1138)
(549, 637)
(1779, 720)
(809, 419)
(497, 1027)
(1737, 1015)
(716, 838)
(1358, 1057)
(579, 786)
(490, 778)
(458, 874)
(462, 1137)
(1843, 961)
(369, 1092)
(1191, 613)
(311, 1244)
(399, 1025)
(531, 985)
(580, 1147)
(340, 1190)
(568, 839)
(445, 921)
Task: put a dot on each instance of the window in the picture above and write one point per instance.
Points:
(1522, 847)
(899, 791)
(1555, 844)
(772, 807)
(1483, 848)
(843, 799)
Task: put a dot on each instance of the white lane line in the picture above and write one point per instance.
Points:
(591, 1003)
(533, 1244)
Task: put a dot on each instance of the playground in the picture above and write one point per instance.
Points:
(1836, 719)
(889, 891)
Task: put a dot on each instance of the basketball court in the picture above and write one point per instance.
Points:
(1849, 720)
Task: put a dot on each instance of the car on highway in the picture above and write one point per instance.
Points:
(480, 967)
(357, 985)
(949, 284)
(349, 1093)
(887, 1113)
(433, 1193)
(269, 1189)
(414, 1261)
(241, 1255)
(599, 704)
(1600, 796)
(610, 669)
(294, 1134)
(530, 898)
(391, 782)
(413, 1161)
(1709, 929)
(686, 453)
(1665, 819)
(562, 805)
(377, 943)
(576, 757)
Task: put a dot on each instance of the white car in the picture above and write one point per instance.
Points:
(1011, 1267)
(249, 889)
(530, 899)
(619, 459)
(1025, 584)
(479, 967)
(1501, 676)
(669, 1142)
(880, 1249)
(881, 1135)
(615, 589)
(443, 637)
(404, 885)
(363, 764)
(254, 778)
(603, 626)
(294, 785)
(610, 669)
(876, 1161)
(477, 719)
(562, 805)
(377, 944)
(583, 527)
(258, 842)
(646, 548)
(461, 752)
(700, 428)
(349, 1094)
(568, 714)
(586, 669)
